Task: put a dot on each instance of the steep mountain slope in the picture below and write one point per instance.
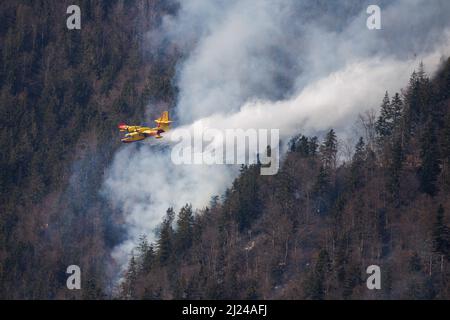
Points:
(313, 229)
(308, 232)
(62, 94)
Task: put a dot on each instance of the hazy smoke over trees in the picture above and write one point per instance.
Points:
(300, 66)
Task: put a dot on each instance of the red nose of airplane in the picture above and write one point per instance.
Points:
(122, 126)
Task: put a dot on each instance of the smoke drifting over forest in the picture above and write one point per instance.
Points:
(299, 66)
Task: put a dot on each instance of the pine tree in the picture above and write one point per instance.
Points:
(328, 150)
(315, 286)
(359, 159)
(214, 201)
(418, 101)
(323, 181)
(421, 73)
(143, 245)
(148, 259)
(396, 110)
(390, 116)
(383, 126)
(359, 155)
(313, 146)
(92, 290)
(243, 202)
(292, 144)
(300, 144)
(306, 147)
(445, 151)
(321, 190)
(165, 240)
(443, 81)
(394, 170)
(426, 102)
(128, 287)
(441, 234)
(430, 163)
(412, 102)
(144, 255)
(184, 231)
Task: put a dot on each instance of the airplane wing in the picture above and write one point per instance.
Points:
(144, 129)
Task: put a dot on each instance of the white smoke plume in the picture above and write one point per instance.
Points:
(299, 66)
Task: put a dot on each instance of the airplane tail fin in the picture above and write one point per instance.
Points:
(164, 121)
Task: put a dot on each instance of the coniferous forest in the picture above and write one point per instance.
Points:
(311, 231)
(62, 95)
(308, 232)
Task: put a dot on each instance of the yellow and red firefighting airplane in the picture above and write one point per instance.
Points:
(138, 133)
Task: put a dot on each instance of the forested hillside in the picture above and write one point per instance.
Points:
(62, 94)
(311, 231)
(308, 232)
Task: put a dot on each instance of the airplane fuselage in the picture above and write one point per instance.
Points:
(138, 133)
